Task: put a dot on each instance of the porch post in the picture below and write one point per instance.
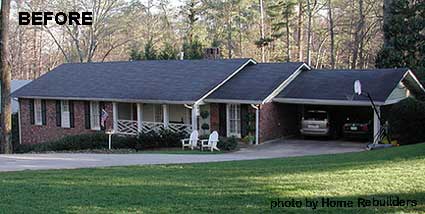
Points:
(257, 125)
(165, 115)
(139, 117)
(376, 125)
(194, 117)
(115, 116)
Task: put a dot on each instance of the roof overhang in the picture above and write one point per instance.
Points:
(110, 100)
(326, 102)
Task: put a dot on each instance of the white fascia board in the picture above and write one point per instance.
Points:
(409, 72)
(199, 101)
(325, 102)
(285, 83)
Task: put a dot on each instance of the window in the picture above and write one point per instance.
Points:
(234, 120)
(38, 117)
(65, 114)
(94, 116)
(158, 114)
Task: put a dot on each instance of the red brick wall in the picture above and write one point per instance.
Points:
(31, 134)
(270, 122)
(278, 120)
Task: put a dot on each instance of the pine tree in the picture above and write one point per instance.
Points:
(168, 52)
(404, 39)
(150, 52)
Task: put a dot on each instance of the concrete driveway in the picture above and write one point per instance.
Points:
(275, 149)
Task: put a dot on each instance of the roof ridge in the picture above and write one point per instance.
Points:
(159, 60)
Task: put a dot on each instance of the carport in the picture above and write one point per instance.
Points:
(334, 89)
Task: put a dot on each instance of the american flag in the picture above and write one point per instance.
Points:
(103, 117)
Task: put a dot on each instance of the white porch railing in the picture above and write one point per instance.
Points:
(130, 127)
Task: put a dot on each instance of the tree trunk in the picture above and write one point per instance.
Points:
(6, 110)
(310, 14)
(263, 57)
(387, 14)
(300, 31)
(357, 36)
(331, 34)
(288, 41)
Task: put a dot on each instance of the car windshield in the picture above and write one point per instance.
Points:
(315, 115)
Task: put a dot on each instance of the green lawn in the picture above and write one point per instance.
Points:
(228, 187)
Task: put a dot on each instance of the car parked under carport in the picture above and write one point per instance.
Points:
(333, 91)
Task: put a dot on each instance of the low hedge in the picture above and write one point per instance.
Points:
(79, 142)
(99, 141)
(407, 121)
(161, 139)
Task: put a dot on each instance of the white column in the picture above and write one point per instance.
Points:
(165, 115)
(194, 117)
(115, 116)
(376, 125)
(257, 125)
(139, 117)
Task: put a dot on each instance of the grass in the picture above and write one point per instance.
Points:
(227, 187)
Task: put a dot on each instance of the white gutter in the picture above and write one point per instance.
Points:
(325, 102)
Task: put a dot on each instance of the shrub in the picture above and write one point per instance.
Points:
(79, 142)
(407, 121)
(161, 139)
(228, 144)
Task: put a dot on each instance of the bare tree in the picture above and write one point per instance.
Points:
(331, 34)
(263, 57)
(358, 37)
(6, 109)
(300, 30)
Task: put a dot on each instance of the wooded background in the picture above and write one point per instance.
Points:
(324, 33)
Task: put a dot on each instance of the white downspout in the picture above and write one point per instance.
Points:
(376, 125)
(257, 123)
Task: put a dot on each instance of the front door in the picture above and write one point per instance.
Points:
(233, 120)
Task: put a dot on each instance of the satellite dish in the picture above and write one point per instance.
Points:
(357, 87)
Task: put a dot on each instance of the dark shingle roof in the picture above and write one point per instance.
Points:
(167, 80)
(255, 82)
(338, 84)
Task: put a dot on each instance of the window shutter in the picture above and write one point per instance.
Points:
(32, 119)
(222, 119)
(43, 112)
(58, 114)
(87, 114)
(244, 120)
(71, 113)
(101, 106)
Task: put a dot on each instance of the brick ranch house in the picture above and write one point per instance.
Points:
(236, 97)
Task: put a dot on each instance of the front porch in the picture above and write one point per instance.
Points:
(135, 118)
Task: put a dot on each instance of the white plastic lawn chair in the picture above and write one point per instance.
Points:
(192, 141)
(211, 143)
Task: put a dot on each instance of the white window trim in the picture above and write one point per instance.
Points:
(229, 134)
(38, 114)
(94, 116)
(65, 115)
